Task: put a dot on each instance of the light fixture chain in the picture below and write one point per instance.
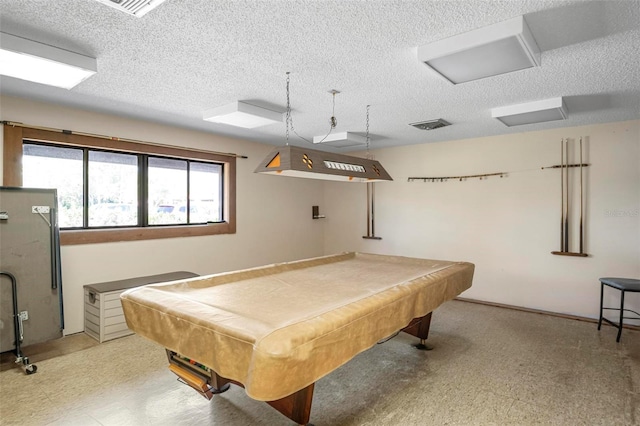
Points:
(333, 121)
(288, 118)
(368, 153)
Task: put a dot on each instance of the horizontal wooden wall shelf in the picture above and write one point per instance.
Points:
(569, 253)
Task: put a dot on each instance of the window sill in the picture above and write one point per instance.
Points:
(93, 236)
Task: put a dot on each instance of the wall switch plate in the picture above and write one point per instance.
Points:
(39, 209)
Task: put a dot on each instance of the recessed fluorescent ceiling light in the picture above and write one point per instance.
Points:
(133, 7)
(32, 61)
(242, 114)
(532, 112)
(496, 49)
(341, 140)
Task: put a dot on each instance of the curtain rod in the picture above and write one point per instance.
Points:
(115, 138)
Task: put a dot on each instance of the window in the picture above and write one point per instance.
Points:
(60, 168)
(116, 190)
(112, 190)
(174, 191)
(184, 191)
(167, 191)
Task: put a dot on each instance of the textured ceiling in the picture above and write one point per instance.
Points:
(187, 56)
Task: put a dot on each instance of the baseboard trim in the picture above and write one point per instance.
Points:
(541, 312)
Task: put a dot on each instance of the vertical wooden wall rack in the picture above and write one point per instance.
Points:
(564, 167)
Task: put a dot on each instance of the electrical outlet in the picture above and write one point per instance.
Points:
(24, 315)
(39, 209)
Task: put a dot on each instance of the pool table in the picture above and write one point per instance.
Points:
(275, 330)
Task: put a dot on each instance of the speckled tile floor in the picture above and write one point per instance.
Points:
(490, 366)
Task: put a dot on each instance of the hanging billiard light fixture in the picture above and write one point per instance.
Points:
(303, 162)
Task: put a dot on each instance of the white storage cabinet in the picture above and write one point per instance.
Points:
(103, 315)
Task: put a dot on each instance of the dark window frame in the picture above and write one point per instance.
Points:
(15, 136)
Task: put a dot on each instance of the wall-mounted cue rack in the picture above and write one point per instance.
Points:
(371, 218)
(565, 212)
(459, 178)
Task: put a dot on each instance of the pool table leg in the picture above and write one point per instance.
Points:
(419, 327)
(296, 406)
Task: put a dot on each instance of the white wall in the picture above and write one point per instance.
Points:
(274, 221)
(506, 226)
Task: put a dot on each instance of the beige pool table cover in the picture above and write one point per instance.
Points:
(276, 329)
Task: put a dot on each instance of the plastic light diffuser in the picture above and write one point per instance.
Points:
(496, 49)
(32, 61)
(241, 114)
(341, 140)
(532, 112)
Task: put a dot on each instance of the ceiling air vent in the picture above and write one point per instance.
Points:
(133, 7)
(431, 124)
